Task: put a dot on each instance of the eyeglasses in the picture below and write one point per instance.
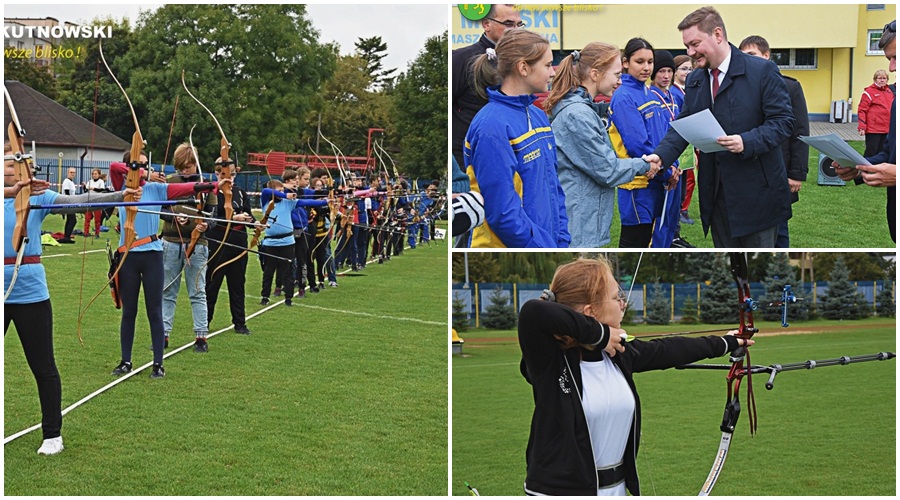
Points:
(891, 26)
(508, 24)
(621, 296)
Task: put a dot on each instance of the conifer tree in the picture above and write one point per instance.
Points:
(500, 314)
(719, 299)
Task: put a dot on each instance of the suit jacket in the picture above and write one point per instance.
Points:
(466, 102)
(795, 151)
(752, 101)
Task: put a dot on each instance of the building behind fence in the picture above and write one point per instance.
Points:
(476, 297)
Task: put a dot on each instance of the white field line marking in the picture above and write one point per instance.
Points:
(189, 344)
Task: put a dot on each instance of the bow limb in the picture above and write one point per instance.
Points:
(16, 137)
(132, 181)
(741, 366)
(226, 168)
(339, 155)
(201, 201)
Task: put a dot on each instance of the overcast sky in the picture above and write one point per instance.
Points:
(403, 27)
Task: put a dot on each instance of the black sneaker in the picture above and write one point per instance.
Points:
(123, 368)
(680, 242)
(264, 301)
(314, 289)
(200, 345)
(322, 285)
(288, 303)
(157, 372)
(242, 329)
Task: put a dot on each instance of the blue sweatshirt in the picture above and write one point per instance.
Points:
(281, 231)
(510, 158)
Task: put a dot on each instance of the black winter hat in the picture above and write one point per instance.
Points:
(662, 59)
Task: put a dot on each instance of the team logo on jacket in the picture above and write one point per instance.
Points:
(529, 157)
(564, 383)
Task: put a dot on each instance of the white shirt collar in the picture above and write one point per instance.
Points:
(723, 68)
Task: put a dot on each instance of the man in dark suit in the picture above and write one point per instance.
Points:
(466, 102)
(795, 151)
(883, 169)
(744, 191)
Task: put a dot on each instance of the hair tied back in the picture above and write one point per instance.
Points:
(576, 56)
(548, 295)
(491, 54)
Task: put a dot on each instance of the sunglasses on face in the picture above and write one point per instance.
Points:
(891, 26)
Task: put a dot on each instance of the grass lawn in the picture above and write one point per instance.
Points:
(820, 219)
(831, 431)
(343, 394)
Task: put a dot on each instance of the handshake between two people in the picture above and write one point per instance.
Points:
(656, 167)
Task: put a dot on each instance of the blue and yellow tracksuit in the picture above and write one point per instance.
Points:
(510, 158)
(638, 123)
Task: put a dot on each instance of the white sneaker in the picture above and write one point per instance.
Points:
(51, 446)
(332, 284)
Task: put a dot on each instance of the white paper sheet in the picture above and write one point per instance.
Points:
(835, 148)
(701, 129)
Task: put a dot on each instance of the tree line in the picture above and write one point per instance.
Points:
(264, 73)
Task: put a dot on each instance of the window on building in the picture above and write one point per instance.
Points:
(874, 6)
(873, 37)
(794, 58)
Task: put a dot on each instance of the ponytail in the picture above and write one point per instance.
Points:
(515, 45)
(575, 68)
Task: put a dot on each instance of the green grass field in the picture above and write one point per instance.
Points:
(823, 217)
(343, 394)
(830, 431)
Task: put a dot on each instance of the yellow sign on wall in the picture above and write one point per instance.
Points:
(542, 19)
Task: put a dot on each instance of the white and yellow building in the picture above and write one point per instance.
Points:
(832, 49)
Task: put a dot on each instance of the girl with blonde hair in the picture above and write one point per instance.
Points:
(589, 169)
(587, 414)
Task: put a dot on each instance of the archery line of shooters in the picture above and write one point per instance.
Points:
(312, 227)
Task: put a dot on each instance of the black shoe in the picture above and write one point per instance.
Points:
(288, 303)
(314, 289)
(158, 371)
(680, 242)
(200, 345)
(322, 285)
(66, 240)
(123, 368)
(242, 329)
(264, 301)
(166, 343)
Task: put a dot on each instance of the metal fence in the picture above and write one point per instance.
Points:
(54, 172)
(477, 297)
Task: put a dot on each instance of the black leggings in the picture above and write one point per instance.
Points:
(70, 225)
(236, 272)
(636, 236)
(34, 324)
(146, 268)
(283, 267)
(302, 248)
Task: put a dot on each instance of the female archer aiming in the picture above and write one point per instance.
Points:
(587, 417)
(27, 302)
